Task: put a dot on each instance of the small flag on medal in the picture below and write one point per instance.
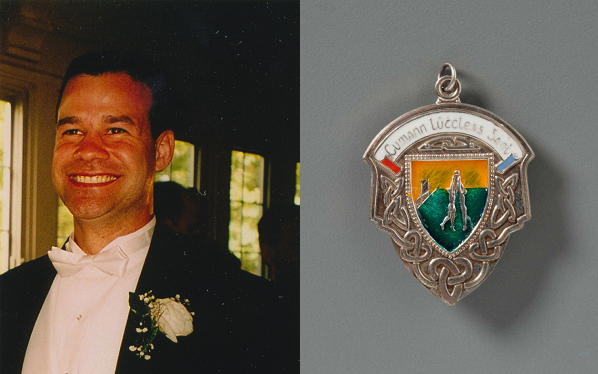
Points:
(391, 165)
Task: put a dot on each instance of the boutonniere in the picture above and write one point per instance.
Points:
(168, 316)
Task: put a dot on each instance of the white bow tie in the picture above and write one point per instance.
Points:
(112, 261)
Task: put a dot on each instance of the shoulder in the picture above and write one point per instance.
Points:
(22, 294)
(39, 263)
(237, 313)
(202, 255)
(27, 275)
(199, 262)
(205, 264)
(26, 284)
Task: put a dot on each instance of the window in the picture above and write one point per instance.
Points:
(10, 184)
(180, 170)
(182, 167)
(246, 208)
(65, 224)
(297, 185)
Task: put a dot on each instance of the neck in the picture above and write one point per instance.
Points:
(93, 235)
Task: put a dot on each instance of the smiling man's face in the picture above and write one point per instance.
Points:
(104, 155)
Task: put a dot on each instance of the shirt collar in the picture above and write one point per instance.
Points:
(132, 243)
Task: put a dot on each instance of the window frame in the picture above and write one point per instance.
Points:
(14, 257)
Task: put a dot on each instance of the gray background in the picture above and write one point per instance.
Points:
(535, 64)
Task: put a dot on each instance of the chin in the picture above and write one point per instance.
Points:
(87, 208)
(86, 213)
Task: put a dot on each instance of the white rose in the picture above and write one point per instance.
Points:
(174, 320)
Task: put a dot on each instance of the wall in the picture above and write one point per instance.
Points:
(363, 64)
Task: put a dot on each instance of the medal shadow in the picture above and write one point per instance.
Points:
(510, 294)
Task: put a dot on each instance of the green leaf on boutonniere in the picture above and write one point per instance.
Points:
(169, 316)
(138, 305)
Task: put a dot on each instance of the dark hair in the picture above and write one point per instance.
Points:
(137, 67)
(168, 201)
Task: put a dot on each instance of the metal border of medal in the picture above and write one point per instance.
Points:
(449, 130)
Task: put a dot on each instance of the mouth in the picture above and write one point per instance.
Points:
(92, 179)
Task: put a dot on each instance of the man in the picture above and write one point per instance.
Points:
(68, 312)
(279, 245)
(456, 187)
(184, 210)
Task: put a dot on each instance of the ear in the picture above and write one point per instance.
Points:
(164, 150)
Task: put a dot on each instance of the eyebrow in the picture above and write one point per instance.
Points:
(107, 119)
(117, 119)
(67, 120)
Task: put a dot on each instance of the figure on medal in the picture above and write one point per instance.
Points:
(456, 186)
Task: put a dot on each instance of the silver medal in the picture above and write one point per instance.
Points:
(449, 185)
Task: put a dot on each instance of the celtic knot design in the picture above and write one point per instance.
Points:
(415, 253)
(482, 245)
(449, 143)
(504, 210)
(447, 278)
(394, 211)
(479, 251)
(450, 273)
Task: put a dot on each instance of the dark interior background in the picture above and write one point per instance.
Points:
(235, 63)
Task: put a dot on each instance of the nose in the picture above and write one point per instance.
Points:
(91, 147)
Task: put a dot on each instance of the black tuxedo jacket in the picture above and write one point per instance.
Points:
(241, 322)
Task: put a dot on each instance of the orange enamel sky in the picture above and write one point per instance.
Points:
(474, 174)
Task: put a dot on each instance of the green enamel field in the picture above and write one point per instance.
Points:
(433, 211)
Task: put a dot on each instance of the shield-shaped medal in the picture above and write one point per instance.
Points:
(449, 184)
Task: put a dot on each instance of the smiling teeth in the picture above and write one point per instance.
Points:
(94, 179)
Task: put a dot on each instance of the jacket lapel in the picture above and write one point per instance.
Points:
(159, 274)
(234, 312)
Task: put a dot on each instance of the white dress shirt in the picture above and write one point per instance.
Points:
(81, 324)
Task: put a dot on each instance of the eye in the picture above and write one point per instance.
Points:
(117, 130)
(71, 132)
